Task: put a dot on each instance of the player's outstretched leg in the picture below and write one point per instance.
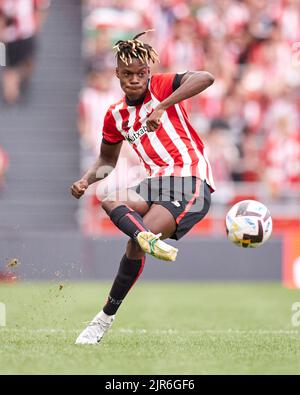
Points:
(151, 244)
(131, 267)
(131, 223)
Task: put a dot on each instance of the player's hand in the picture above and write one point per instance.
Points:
(78, 188)
(153, 121)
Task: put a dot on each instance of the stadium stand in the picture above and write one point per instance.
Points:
(38, 133)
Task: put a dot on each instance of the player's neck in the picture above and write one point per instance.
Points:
(135, 102)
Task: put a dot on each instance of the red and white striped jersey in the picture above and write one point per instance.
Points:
(174, 149)
(20, 18)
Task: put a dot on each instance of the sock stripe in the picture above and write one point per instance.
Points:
(136, 223)
(130, 209)
(128, 274)
(140, 271)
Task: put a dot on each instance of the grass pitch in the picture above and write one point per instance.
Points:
(162, 328)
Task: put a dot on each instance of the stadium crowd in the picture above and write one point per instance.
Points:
(249, 118)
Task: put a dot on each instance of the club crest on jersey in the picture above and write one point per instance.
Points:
(133, 135)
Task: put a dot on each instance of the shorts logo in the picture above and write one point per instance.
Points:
(176, 203)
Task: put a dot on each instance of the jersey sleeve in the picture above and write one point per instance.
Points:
(177, 80)
(163, 85)
(110, 133)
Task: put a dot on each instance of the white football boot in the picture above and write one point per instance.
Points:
(151, 244)
(94, 332)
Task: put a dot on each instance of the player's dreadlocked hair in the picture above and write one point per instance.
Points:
(126, 50)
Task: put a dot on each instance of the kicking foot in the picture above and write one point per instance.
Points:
(94, 332)
(151, 244)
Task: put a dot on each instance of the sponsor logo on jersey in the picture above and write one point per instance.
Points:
(134, 135)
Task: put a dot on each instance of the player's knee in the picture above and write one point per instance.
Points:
(109, 205)
(133, 250)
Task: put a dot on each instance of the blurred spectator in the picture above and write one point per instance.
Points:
(281, 152)
(222, 152)
(3, 166)
(249, 168)
(94, 99)
(181, 47)
(20, 22)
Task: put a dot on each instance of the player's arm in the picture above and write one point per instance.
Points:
(192, 83)
(109, 154)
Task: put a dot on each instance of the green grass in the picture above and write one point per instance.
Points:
(162, 328)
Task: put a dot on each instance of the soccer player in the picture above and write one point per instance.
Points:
(176, 194)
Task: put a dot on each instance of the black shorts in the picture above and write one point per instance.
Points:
(17, 52)
(187, 198)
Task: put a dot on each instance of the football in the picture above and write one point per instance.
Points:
(248, 224)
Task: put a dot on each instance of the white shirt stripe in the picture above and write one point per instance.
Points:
(174, 136)
(118, 118)
(138, 145)
(202, 163)
(210, 180)
(158, 147)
